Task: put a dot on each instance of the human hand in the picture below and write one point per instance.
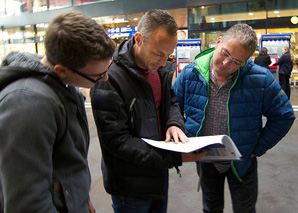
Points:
(177, 134)
(193, 156)
(253, 155)
(91, 207)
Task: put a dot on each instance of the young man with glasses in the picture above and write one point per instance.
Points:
(43, 125)
(224, 92)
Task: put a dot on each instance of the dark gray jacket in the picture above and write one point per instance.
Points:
(124, 111)
(44, 140)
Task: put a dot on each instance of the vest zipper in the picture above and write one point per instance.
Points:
(229, 130)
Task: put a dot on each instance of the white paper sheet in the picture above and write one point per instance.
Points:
(219, 147)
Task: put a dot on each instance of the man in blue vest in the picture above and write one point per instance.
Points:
(224, 92)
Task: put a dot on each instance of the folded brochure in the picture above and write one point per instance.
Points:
(219, 147)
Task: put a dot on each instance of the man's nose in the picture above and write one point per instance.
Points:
(227, 61)
(106, 77)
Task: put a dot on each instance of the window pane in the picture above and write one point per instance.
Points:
(56, 4)
(78, 2)
(40, 5)
(221, 17)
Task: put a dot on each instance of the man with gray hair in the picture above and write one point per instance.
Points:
(224, 92)
(138, 102)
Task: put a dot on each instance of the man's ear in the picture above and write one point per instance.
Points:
(218, 40)
(61, 71)
(138, 38)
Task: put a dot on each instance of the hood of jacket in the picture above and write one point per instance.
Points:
(18, 65)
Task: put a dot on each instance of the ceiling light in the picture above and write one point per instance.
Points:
(294, 20)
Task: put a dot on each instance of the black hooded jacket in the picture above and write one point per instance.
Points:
(124, 111)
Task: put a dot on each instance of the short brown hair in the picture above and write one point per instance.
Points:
(73, 39)
(154, 19)
(264, 51)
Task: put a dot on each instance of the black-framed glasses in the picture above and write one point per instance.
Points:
(226, 54)
(98, 77)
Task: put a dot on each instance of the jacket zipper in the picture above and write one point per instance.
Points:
(229, 131)
(200, 161)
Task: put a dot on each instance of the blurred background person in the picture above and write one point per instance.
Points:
(263, 59)
(172, 58)
(285, 63)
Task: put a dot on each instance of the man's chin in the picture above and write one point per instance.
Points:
(154, 68)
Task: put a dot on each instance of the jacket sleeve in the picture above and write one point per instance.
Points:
(279, 113)
(280, 60)
(28, 128)
(112, 121)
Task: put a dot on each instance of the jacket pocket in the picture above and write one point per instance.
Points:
(58, 198)
(61, 198)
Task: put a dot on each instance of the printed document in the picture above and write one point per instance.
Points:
(219, 147)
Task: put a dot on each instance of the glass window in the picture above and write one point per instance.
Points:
(282, 4)
(40, 5)
(20, 39)
(14, 7)
(282, 8)
(115, 24)
(26, 6)
(40, 36)
(221, 17)
(79, 2)
(56, 4)
(2, 51)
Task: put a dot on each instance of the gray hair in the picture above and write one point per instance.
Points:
(244, 34)
(154, 19)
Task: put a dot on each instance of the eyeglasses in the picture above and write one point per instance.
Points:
(226, 54)
(98, 77)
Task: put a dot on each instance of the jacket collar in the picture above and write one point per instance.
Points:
(202, 61)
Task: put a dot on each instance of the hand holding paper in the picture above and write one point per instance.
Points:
(177, 134)
(220, 147)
